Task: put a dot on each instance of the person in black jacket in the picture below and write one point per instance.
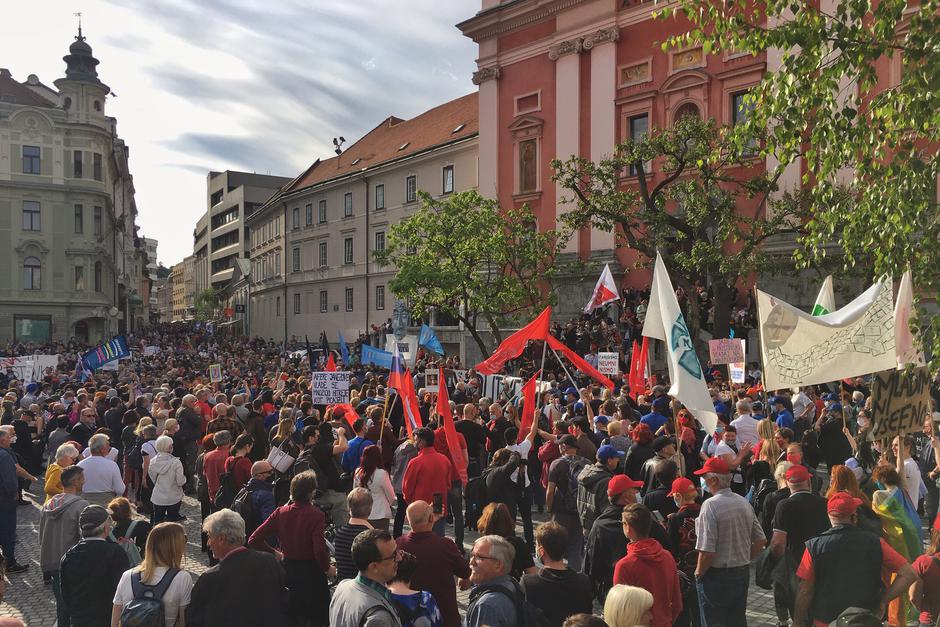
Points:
(90, 571)
(556, 589)
(245, 588)
(500, 487)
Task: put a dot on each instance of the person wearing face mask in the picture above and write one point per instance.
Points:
(736, 457)
(682, 524)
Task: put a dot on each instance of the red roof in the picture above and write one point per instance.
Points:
(13, 91)
(395, 138)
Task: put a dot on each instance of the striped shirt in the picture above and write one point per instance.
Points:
(342, 543)
(727, 527)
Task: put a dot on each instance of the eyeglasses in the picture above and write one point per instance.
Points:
(393, 556)
(477, 556)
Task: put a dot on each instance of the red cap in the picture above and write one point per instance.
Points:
(842, 503)
(797, 473)
(622, 483)
(682, 485)
(716, 465)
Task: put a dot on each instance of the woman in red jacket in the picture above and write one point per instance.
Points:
(239, 464)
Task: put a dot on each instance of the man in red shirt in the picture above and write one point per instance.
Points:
(427, 475)
(213, 463)
(647, 565)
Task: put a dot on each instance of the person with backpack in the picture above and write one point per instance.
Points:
(129, 532)
(364, 601)
(167, 476)
(496, 600)
(156, 593)
(255, 502)
(213, 464)
(58, 530)
(562, 496)
(592, 484)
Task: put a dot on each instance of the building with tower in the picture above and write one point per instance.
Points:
(72, 262)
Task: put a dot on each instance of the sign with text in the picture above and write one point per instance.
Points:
(900, 401)
(329, 388)
(151, 350)
(736, 372)
(726, 351)
(607, 363)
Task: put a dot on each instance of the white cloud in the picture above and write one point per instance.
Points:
(251, 85)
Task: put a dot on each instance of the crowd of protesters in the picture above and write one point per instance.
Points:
(304, 507)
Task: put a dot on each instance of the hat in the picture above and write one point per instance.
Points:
(607, 452)
(797, 473)
(757, 406)
(777, 400)
(682, 485)
(620, 484)
(714, 464)
(32, 387)
(662, 442)
(842, 503)
(578, 406)
(92, 517)
(830, 396)
(571, 391)
(835, 408)
(660, 402)
(601, 419)
(569, 441)
(856, 468)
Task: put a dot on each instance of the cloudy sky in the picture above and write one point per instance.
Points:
(253, 85)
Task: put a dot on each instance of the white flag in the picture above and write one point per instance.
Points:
(604, 292)
(904, 339)
(825, 300)
(664, 322)
(800, 349)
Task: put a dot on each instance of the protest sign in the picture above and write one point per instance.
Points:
(329, 388)
(215, 373)
(151, 350)
(900, 401)
(431, 380)
(736, 372)
(607, 363)
(726, 351)
(29, 368)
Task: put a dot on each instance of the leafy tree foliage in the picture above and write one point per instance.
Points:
(206, 302)
(472, 260)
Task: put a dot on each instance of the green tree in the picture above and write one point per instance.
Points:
(206, 302)
(857, 96)
(690, 214)
(472, 260)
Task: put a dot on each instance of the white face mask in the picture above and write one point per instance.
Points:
(639, 499)
(678, 500)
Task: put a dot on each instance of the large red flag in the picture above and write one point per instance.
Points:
(330, 364)
(513, 345)
(409, 404)
(349, 414)
(579, 363)
(632, 380)
(396, 373)
(528, 407)
(447, 418)
(643, 363)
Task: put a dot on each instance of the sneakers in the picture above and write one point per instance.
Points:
(16, 567)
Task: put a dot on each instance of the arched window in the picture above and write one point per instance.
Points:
(97, 276)
(688, 108)
(97, 105)
(32, 271)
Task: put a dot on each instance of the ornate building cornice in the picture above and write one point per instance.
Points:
(578, 45)
(487, 73)
(569, 46)
(602, 36)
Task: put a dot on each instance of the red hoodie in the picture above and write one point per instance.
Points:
(647, 565)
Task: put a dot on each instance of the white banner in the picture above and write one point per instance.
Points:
(800, 349)
(408, 346)
(329, 388)
(608, 363)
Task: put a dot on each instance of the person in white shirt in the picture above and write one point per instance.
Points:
(803, 406)
(745, 424)
(102, 476)
(524, 448)
(913, 482)
(161, 568)
(373, 477)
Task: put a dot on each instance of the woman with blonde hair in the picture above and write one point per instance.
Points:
(628, 606)
(161, 570)
(768, 450)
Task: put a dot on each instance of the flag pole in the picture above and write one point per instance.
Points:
(845, 421)
(565, 368)
(760, 352)
(384, 411)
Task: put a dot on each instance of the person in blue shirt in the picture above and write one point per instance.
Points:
(655, 419)
(784, 416)
(353, 455)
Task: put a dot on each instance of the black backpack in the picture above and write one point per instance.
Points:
(527, 615)
(225, 495)
(476, 498)
(569, 495)
(243, 505)
(146, 610)
(135, 456)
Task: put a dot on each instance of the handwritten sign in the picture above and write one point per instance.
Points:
(329, 388)
(726, 351)
(736, 372)
(608, 363)
(215, 373)
(900, 401)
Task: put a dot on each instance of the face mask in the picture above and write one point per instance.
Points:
(13, 440)
(795, 458)
(639, 499)
(677, 500)
(719, 429)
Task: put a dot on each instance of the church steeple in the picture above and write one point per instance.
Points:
(79, 62)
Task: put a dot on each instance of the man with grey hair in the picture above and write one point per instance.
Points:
(745, 423)
(245, 588)
(102, 476)
(495, 595)
(90, 571)
(728, 538)
(359, 501)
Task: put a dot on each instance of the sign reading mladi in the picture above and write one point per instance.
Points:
(900, 401)
(329, 388)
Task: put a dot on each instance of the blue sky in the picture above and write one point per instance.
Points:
(244, 85)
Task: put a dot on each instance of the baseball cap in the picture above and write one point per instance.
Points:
(682, 485)
(797, 473)
(92, 517)
(842, 503)
(777, 400)
(620, 484)
(601, 419)
(662, 442)
(829, 396)
(569, 440)
(835, 408)
(715, 465)
(660, 402)
(607, 452)
(571, 391)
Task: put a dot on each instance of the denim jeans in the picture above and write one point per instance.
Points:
(722, 596)
(163, 513)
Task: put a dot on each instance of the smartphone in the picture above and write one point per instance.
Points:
(438, 503)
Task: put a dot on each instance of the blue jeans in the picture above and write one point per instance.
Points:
(722, 596)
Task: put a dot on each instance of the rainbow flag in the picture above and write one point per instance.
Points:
(109, 351)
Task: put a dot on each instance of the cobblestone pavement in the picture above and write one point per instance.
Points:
(32, 602)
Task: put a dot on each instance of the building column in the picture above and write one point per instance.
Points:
(603, 49)
(567, 117)
(488, 159)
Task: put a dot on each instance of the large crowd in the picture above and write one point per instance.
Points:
(335, 515)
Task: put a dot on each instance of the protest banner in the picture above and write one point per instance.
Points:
(608, 363)
(151, 350)
(900, 401)
(29, 368)
(736, 372)
(431, 380)
(725, 351)
(215, 373)
(329, 388)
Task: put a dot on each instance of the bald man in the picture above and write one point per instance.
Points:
(261, 492)
(439, 561)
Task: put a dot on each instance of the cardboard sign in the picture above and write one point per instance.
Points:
(899, 402)
(431, 380)
(215, 373)
(736, 372)
(329, 388)
(608, 363)
(726, 351)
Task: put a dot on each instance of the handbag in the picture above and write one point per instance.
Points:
(279, 460)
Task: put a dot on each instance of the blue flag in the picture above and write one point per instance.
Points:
(343, 350)
(428, 340)
(109, 351)
(372, 355)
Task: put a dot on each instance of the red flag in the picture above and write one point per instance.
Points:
(528, 407)
(634, 361)
(330, 364)
(579, 363)
(396, 374)
(349, 414)
(513, 345)
(409, 404)
(447, 418)
(643, 364)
